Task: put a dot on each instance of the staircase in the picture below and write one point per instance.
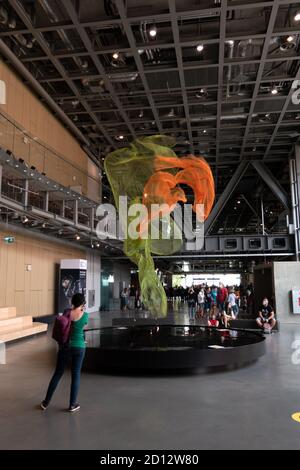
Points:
(13, 327)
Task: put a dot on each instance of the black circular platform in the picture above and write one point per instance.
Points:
(170, 347)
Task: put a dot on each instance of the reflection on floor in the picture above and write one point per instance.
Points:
(239, 409)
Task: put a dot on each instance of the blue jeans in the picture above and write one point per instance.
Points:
(63, 356)
(192, 311)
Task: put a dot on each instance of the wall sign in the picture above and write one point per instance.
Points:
(296, 301)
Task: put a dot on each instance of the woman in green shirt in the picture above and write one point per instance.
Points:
(75, 350)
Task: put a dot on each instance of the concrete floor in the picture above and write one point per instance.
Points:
(248, 408)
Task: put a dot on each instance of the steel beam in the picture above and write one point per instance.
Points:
(220, 81)
(19, 9)
(271, 181)
(259, 75)
(236, 177)
(127, 27)
(69, 7)
(175, 29)
(281, 115)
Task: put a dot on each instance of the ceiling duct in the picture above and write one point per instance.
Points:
(123, 77)
(227, 117)
(62, 34)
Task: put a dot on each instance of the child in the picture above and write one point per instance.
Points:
(212, 321)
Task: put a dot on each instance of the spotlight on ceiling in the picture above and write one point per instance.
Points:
(290, 38)
(200, 47)
(77, 237)
(274, 91)
(202, 93)
(25, 219)
(297, 17)
(115, 55)
(153, 31)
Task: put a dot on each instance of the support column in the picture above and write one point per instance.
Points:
(26, 194)
(75, 218)
(47, 201)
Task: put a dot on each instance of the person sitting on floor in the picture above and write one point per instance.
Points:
(228, 315)
(266, 316)
(212, 321)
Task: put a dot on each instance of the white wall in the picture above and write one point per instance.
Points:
(93, 278)
(286, 276)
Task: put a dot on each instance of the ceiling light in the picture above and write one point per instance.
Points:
(121, 137)
(204, 131)
(25, 219)
(75, 103)
(171, 113)
(77, 237)
(290, 38)
(153, 31)
(230, 42)
(200, 47)
(297, 17)
(97, 244)
(115, 55)
(274, 91)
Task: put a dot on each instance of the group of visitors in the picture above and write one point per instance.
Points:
(131, 298)
(216, 304)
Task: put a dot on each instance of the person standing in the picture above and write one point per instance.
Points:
(132, 295)
(232, 300)
(192, 300)
(222, 298)
(201, 301)
(124, 299)
(74, 349)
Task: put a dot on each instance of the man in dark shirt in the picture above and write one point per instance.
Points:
(266, 316)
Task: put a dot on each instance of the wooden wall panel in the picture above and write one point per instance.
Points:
(34, 117)
(32, 292)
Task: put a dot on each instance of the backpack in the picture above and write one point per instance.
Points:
(62, 327)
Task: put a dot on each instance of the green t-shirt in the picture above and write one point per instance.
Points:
(77, 336)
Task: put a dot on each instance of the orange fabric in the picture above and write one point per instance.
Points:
(161, 187)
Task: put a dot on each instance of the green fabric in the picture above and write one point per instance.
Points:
(77, 336)
(128, 170)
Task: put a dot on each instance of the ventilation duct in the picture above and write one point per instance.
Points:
(226, 117)
(123, 77)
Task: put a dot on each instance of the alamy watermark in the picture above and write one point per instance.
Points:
(155, 222)
(296, 93)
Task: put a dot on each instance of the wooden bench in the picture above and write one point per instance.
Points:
(14, 327)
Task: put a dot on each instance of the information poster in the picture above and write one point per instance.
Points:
(72, 280)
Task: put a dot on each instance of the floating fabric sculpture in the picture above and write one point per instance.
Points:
(149, 172)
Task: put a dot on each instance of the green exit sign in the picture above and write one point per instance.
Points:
(9, 239)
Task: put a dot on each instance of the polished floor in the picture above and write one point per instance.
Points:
(247, 408)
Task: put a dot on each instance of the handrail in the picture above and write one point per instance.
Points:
(37, 141)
